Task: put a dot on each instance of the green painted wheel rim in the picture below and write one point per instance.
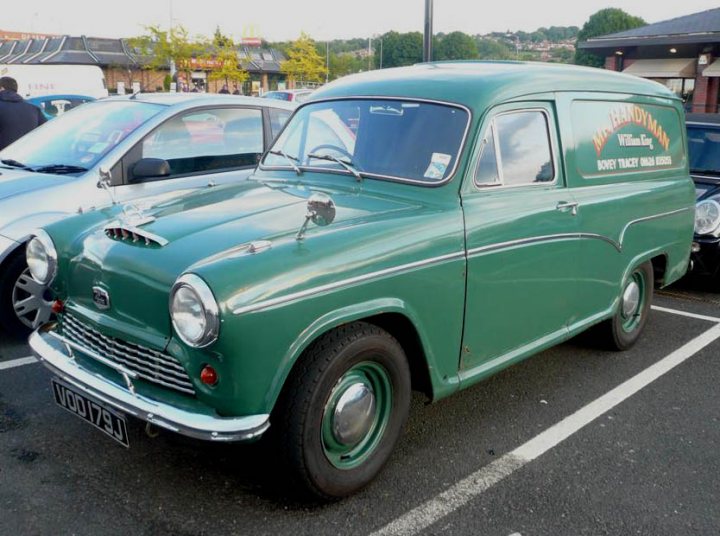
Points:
(374, 377)
(630, 321)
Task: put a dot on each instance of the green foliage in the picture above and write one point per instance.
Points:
(491, 49)
(402, 49)
(606, 21)
(456, 46)
(166, 82)
(220, 39)
(345, 64)
(158, 48)
(228, 63)
(303, 63)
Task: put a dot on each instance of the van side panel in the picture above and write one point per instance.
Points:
(626, 162)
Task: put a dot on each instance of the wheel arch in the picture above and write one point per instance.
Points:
(391, 314)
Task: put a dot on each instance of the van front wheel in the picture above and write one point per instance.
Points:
(623, 330)
(343, 410)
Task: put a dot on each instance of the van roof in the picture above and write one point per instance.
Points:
(478, 84)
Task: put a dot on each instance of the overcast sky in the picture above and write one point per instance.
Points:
(322, 19)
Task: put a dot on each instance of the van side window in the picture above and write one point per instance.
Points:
(524, 144)
(487, 168)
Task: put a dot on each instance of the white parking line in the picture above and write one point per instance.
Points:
(17, 362)
(474, 485)
(685, 313)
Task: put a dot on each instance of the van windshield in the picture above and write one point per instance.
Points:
(80, 138)
(395, 139)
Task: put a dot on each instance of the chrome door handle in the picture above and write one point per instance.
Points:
(564, 206)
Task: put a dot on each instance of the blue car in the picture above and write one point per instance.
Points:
(54, 105)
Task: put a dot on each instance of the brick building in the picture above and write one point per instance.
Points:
(120, 63)
(682, 53)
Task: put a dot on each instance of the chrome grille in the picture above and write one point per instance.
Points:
(151, 365)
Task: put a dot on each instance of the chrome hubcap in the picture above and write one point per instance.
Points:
(28, 300)
(354, 414)
(630, 299)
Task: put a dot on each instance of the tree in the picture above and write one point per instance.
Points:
(159, 48)
(402, 49)
(456, 46)
(304, 64)
(344, 64)
(220, 39)
(227, 64)
(606, 21)
(491, 49)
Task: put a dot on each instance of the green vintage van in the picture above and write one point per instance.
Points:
(414, 228)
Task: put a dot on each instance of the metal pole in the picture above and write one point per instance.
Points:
(369, 53)
(381, 51)
(428, 36)
(327, 61)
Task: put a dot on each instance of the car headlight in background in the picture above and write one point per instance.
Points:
(707, 216)
(41, 258)
(194, 311)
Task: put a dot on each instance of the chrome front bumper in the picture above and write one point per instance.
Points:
(57, 357)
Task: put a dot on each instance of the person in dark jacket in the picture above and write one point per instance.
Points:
(17, 117)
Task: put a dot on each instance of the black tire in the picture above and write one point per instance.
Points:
(9, 322)
(301, 417)
(621, 332)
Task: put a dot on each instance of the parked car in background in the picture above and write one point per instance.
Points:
(421, 227)
(290, 95)
(41, 80)
(142, 145)
(55, 105)
(704, 153)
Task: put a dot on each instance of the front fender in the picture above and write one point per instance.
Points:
(345, 315)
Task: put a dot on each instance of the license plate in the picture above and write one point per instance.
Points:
(102, 418)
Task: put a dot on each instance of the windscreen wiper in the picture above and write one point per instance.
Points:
(347, 164)
(9, 162)
(60, 169)
(291, 159)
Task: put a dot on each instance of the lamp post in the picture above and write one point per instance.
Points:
(376, 37)
(428, 35)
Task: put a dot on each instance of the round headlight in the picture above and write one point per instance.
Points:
(41, 258)
(707, 216)
(194, 311)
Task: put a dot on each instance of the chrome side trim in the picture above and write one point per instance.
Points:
(345, 283)
(538, 239)
(653, 217)
(208, 427)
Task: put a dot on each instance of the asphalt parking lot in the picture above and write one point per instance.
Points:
(573, 441)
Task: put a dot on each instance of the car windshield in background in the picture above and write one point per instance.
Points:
(704, 149)
(78, 140)
(396, 139)
(278, 95)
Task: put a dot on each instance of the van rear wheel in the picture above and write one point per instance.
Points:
(623, 330)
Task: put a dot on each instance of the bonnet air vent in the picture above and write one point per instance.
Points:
(133, 235)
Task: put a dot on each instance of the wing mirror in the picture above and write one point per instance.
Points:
(320, 210)
(150, 168)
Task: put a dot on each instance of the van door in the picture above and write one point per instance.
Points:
(522, 250)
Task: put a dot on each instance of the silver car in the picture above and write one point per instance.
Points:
(140, 146)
